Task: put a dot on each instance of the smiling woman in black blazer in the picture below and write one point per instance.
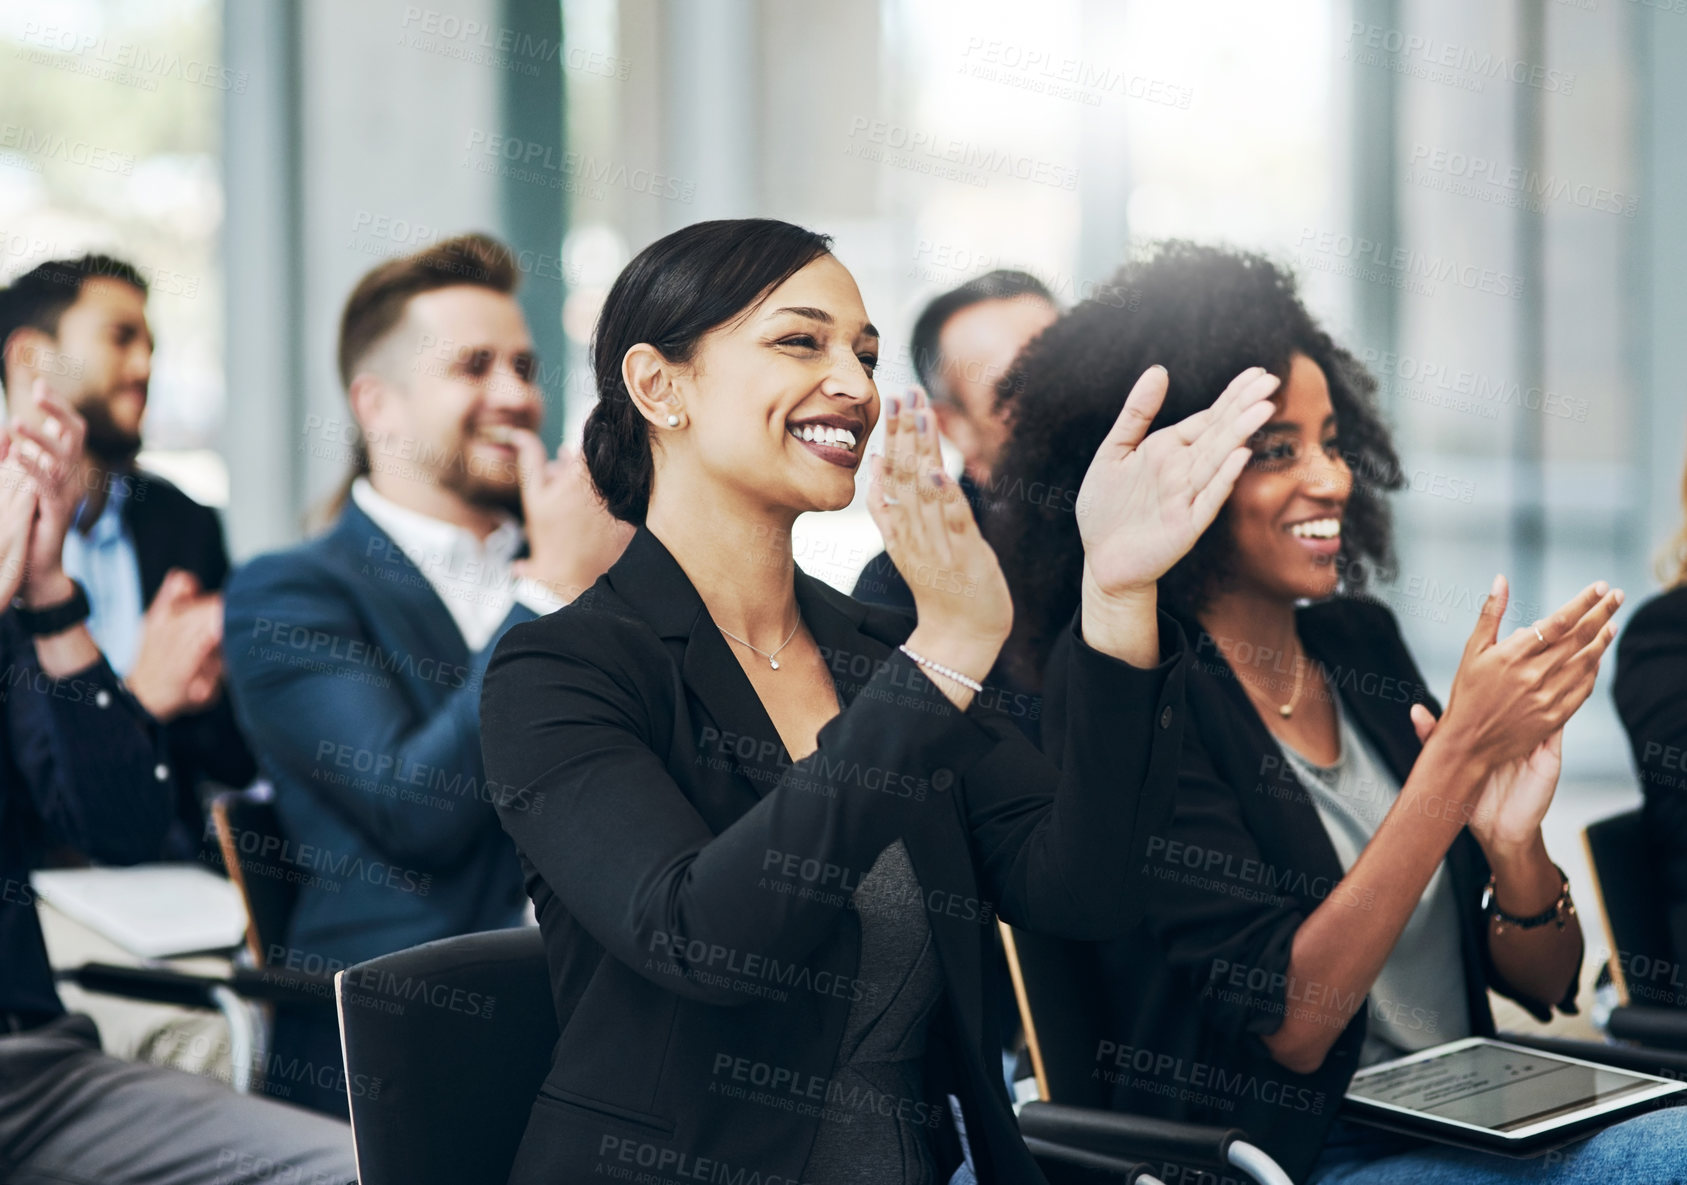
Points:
(770, 823)
(1318, 900)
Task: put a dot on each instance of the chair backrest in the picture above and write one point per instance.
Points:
(1058, 985)
(1630, 899)
(254, 851)
(446, 1045)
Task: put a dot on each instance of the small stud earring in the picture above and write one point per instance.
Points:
(673, 421)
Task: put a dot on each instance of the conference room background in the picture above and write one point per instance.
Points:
(1486, 202)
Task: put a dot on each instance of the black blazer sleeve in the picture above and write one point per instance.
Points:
(1062, 847)
(1650, 690)
(579, 706)
(1224, 904)
(171, 530)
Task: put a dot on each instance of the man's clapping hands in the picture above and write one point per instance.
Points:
(178, 666)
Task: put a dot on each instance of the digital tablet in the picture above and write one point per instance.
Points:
(1497, 1095)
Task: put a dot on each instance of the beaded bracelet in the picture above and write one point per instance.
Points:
(972, 685)
(1559, 911)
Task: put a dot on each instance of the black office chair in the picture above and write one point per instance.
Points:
(440, 1094)
(1059, 987)
(1630, 898)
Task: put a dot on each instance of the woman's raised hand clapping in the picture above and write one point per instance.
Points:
(960, 595)
(1146, 499)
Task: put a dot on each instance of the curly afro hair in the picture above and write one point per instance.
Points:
(1205, 314)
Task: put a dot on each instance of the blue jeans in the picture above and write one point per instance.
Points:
(1650, 1149)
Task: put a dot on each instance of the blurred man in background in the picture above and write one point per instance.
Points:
(963, 344)
(151, 558)
(357, 657)
(81, 762)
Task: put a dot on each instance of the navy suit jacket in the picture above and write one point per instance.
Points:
(361, 701)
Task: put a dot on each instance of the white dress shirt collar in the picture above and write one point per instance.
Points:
(470, 575)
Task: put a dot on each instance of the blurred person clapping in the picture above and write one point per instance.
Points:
(80, 326)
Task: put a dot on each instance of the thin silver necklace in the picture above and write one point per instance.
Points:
(771, 661)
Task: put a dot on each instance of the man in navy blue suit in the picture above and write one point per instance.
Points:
(356, 658)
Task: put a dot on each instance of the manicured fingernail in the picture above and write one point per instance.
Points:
(937, 477)
(1494, 588)
(1600, 588)
(893, 406)
(920, 420)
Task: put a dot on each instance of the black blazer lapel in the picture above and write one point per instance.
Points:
(1286, 822)
(853, 638)
(154, 552)
(170, 530)
(652, 583)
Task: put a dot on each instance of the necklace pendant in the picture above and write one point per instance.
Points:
(774, 663)
(1286, 710)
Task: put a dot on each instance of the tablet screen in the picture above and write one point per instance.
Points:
(1502, 1088)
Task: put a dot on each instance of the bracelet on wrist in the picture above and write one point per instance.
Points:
(1560, 911)
(970, 684)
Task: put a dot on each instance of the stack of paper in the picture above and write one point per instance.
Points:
(154, 911)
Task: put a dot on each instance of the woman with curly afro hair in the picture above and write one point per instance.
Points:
(1205, 315)
(1319, 900)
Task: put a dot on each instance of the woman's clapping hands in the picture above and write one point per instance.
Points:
(1143, 503)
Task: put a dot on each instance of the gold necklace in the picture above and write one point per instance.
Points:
(1288, 709)
(1284, 710)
